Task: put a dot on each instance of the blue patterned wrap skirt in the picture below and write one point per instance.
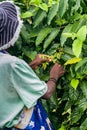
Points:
(39, 120)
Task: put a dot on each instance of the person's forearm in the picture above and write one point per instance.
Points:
(51, 89)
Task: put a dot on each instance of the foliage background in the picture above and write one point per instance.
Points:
(58, 28)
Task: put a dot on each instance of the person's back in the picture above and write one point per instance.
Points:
(9, 98)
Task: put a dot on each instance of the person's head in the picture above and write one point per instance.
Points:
(10, 24)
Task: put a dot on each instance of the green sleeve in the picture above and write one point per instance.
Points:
(27, 84)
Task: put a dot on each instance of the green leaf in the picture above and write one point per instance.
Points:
(67, 29)
(84, 125)
(54, 100)
(83, 4)
(39, 18)
(25, 34)
(76, 17)
(81, 34)
(72, 61)
(80, 24)
(35, 2)
(63, 4)
(30, 54)
(78, 110)
(50, 2)
(76, 115)
(68, 35)
(52, 13)
(62, 128)
(77, 47)
(74, 83)
(81, 63)
(73, 94)
(42, 35)
(77, 6)
(26, 15)
(44, 6)
(34, 32)
(60, 21)
(50, 38)
(68, 50)
(19, 43)
(83, 87)
(84, 70)
(71, 28)
(82, 104)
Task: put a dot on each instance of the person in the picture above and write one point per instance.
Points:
(20, 87)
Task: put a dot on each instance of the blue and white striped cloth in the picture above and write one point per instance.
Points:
(10, 24)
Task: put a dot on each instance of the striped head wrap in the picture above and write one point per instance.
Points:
(10, 24)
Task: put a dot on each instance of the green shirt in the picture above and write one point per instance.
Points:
(19, 87)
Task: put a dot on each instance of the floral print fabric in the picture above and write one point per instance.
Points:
(39, 119)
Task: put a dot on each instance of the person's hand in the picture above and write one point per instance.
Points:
(57, 71)
(41, 58)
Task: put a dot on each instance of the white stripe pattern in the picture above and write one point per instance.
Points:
(10, 24)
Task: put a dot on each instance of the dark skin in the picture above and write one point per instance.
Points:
(56, 72)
